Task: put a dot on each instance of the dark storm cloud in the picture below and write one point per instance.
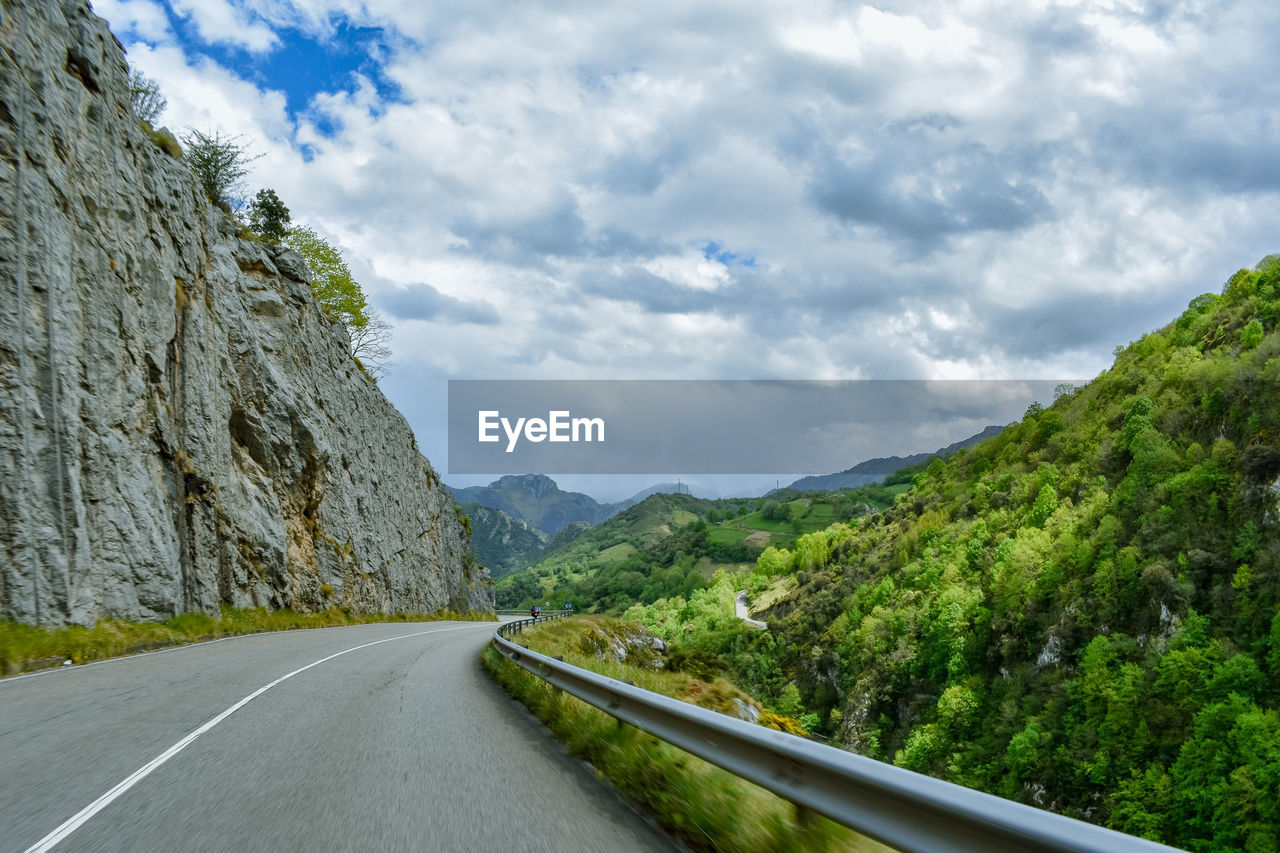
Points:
(424, 302)
(922, 195)
(1242, 157)
(555, 230)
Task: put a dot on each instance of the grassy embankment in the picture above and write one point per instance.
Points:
(706, 807)
(673, 544)
(27, 647)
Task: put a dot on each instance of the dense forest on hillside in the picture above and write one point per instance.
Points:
(1080, 613)
(499, 542)
(669, 544)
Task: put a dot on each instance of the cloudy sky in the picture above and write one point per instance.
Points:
(716, 190)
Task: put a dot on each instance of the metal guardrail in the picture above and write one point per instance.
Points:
(906, 810)
(545, 613)
(517, 626)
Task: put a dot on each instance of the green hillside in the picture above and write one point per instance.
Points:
(1080, 613)
(669, 544)
(500, 542)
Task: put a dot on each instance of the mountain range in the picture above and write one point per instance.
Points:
(517, 518)
(875, 470)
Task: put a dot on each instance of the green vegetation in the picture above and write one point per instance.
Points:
(219, 164)
(1080, 613)
(268, 215)
(669, 544)
(164, 140)
(27, 647)
(343, 299)
(144, 97)
(338, 293)
(147, 104)
(707, 808)
(499, 541)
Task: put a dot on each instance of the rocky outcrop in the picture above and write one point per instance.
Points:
(180, 426)
(501, 543)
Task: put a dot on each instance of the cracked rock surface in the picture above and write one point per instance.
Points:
(180, 425)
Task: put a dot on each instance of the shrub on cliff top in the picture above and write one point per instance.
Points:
(268, 215)
(145, 97)
(339, 294)
(220, 164)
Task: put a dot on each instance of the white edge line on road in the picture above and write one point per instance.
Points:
(74, 823)
(10, 679)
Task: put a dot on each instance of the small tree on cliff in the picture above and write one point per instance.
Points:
(339, 295)
(341, 298)
(371, 345)
(219, 163)
(145, 97)
(268, 216)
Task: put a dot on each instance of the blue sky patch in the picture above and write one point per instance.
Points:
(713, 251)
(303, 65)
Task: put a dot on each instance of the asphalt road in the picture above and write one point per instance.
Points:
(400, 745)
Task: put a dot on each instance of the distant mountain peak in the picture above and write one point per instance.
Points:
(535, 484)
(536, 499)
(875, 470)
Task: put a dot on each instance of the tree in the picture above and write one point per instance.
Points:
(268, 216)
(219, 163)
(341, 298)
(339, 295)
(145, 97)
(371, 344)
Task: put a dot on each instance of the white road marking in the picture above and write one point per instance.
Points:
(74, 823)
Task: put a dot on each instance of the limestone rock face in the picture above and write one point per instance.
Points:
(180, 425)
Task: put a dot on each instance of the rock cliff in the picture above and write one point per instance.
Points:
(180, 425)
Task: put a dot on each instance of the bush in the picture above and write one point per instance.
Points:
(219, 164)
(268, 215)
(145, 97)
(339, 295)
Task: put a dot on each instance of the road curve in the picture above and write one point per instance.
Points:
(399, 745)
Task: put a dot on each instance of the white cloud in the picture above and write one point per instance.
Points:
(946, 190)
(142, 18)
(690, 269)
(221, 21)
(204, 95)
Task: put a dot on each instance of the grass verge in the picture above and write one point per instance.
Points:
(27, 647)
(705, 807)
